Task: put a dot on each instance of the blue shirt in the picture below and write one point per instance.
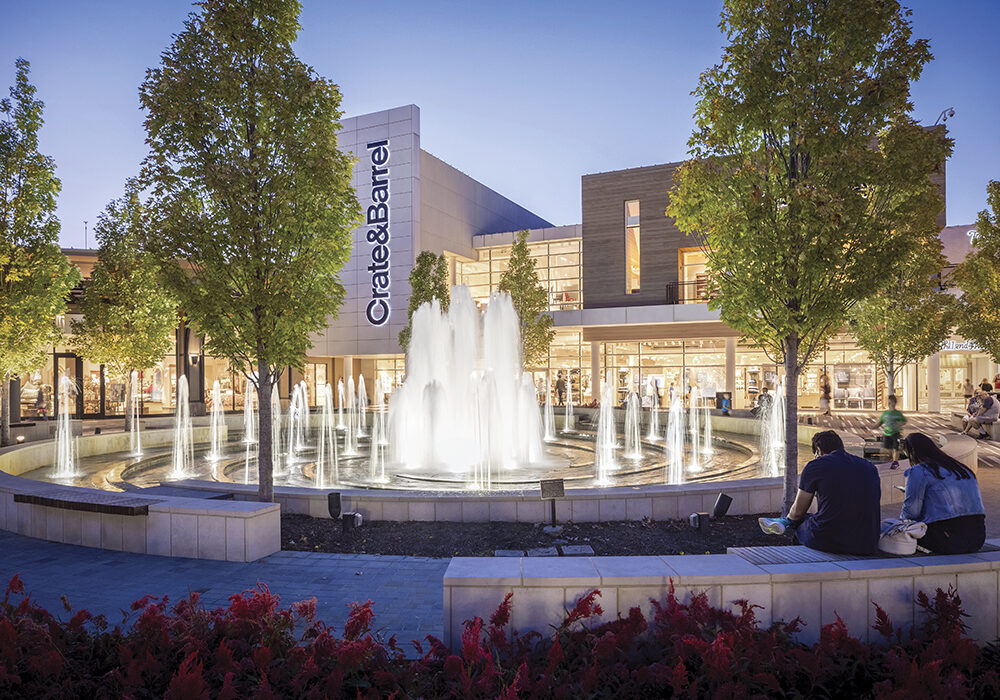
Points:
(929, 499)
(848, 491)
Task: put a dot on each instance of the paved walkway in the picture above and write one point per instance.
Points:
(407, 591)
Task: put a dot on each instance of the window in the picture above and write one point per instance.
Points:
(694, 275)
(632, 266)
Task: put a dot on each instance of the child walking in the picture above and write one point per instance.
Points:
(892, 422)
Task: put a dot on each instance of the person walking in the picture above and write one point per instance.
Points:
(967, 389)
(560, 389)
(892, 422)
(943, 493)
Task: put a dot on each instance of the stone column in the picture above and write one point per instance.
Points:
(934, 383)
(731, 367)
(348, 368)
(595, 371)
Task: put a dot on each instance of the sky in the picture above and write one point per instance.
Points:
(523, 95)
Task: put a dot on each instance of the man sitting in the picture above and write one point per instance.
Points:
(986, 415)
(847, 491)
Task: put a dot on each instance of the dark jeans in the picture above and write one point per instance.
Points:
(959, 535)
(812, 537)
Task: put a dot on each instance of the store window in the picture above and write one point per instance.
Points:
(558, 264)
(659, 369)
(632, 263)
(565, 359)
(694, 275)
(391, 369)
(315, 376)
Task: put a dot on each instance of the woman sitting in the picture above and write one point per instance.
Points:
(943, 493)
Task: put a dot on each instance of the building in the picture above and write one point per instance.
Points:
(627, 290)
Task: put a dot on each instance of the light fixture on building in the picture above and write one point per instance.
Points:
(19, 439)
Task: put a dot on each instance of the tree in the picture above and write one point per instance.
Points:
(35, 276)
(530, 300)
(428, 280)
(909, 318)
(127, 314)
(808, 178)
(252, 199)
(978, 276)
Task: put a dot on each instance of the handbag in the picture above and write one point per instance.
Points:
(900, 536)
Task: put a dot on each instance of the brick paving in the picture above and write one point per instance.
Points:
(407, 591)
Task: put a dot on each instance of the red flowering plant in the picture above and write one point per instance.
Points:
(255, 648)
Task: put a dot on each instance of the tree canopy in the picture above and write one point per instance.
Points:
(35, 276)
(251, 196)
(909, 318)
(809, 181)
(978, 276)
(128, 316)
(428, 281)
(530, 300)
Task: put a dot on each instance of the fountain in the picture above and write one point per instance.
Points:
(340, 405)
(326, 461)
(135, 434)
(376, 473)
(675, 440)
(276, 452)
(654, 413)
(183, 452)
(465, 406)
(215, 452)
(568, 422)
(65, 458)
(693, 426)
(350, 430)
(362, 405)
(772, 434)
(606, 439)
(633, 440)
(249, 416)
(706, 432)
(382, 387)
(298, 422)
(550, 418)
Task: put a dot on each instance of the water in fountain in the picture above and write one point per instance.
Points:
(327, 467)
(183, 452)
(633, 440)
(568, 422)
(249, 415)
(376, 471)
(694, 428)
(772, 434)
(215, 452)
(706, 430)
(65, 459)
(350, 431)
(135, 434)
(432, 416)
(298, 422)
(675, 440)
(382, 387)
(606, 439)
(277, 467)
(653, 435)
(340, 405)
(550, 418)
(362, 406)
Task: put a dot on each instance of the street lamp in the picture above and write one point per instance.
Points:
(943, 117)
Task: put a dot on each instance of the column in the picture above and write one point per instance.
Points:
(348, 367)
(595, 371)
(908, 384)
(731, 367)
(934, 383)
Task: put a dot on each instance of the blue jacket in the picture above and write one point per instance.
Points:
(929, 499)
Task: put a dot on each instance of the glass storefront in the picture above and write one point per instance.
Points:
(558, 264)
(569, 358)
(657, 369)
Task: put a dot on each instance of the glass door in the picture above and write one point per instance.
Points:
(70, 367)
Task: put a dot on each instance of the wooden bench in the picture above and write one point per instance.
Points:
(798, 554)
(87, 501)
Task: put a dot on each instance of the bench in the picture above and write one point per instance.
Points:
(798, 554)
(813, 586)
(87, 501)
(993, 429)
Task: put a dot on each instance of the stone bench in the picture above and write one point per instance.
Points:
(798, 554)
(956, 422)
(87, 501)
(545, 588)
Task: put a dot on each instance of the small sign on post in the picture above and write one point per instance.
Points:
(551, 489)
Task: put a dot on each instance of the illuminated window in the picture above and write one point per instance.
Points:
(632, 266)
(694, 275)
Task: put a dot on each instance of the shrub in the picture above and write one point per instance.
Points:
(254, 648)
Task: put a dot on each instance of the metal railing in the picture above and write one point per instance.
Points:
(688, 293)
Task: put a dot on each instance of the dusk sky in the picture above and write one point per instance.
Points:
(525, 96)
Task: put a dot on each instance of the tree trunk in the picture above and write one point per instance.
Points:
(890, 376)
(265, 466)
(129, 389)
(791, 351)
(5, 410)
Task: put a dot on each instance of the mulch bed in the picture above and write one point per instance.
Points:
(303, 533)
